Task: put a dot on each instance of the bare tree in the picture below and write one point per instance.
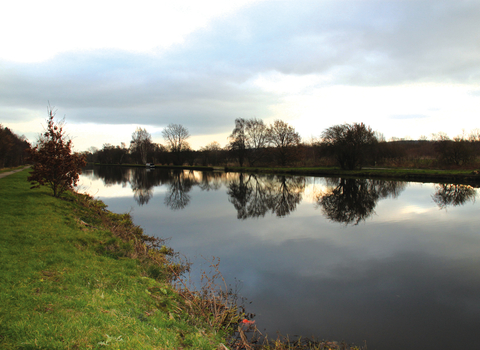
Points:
(248, 140)
(285, 140)
(210, 153)
(474, 135)
(238, 140)
(458, 151)
(141, 144)
(176, 136)
(256, 133)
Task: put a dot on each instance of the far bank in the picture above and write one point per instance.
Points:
(461, 176)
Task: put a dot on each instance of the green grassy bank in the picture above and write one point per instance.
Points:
(66, 282)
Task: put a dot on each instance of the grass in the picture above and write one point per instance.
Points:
(68, 283)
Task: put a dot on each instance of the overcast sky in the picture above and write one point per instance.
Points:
(406, 68)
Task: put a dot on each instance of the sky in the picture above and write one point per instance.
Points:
(406, 68)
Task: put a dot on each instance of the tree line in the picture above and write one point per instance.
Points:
(253, 143)
(350, 146)
(12, 148)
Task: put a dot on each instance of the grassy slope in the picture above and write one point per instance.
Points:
(58, 292)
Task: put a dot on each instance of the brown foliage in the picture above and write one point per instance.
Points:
(54, 164)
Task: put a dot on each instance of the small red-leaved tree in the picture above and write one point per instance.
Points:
(54, 164)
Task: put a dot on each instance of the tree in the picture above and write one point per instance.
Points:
(54, 164)
(141, 144)
(12, 148)
(176, 136)
(256, 133)
(248, 140)
(110, 154)
(210, 152)
(458, 151)
(284, 138)
(238, 140)
(350, 144)
(159, 153)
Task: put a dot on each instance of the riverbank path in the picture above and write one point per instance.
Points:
(13, 171)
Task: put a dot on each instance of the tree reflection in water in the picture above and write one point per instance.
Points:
(353, 200)
(347, 201)
(254, 196)
(453, 195)
(141, 186)
(113, 175)
(181, 183)
(211, 181)
(285, 194)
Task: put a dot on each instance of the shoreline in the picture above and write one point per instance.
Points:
(468, 177)
(95, 274)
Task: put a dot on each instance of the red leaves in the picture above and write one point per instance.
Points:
(54, 164)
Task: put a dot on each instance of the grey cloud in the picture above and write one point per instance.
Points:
(124, 88)
(205, 83)
(360, 42)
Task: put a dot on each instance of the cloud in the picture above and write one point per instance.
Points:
(40, 31)
(357, 42)
(124, 88)
(408, 116)
(207, 76)
(475, 93)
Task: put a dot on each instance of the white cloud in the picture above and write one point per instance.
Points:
(203, 64)
(40, 30)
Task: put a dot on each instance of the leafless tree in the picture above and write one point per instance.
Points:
(141, 143)
(256, 133)
(176, 136)
(238, 140)
(210, 153)
(285, 140)
(248, 140)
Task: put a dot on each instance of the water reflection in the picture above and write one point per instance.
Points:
(353, 200)
(180, 184)
(410, 269)
(253, 196)
(346, 201)
(453, 195)
(142, 186)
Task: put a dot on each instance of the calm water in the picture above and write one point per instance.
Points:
(394, 263)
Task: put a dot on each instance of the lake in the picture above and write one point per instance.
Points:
(395, 264)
